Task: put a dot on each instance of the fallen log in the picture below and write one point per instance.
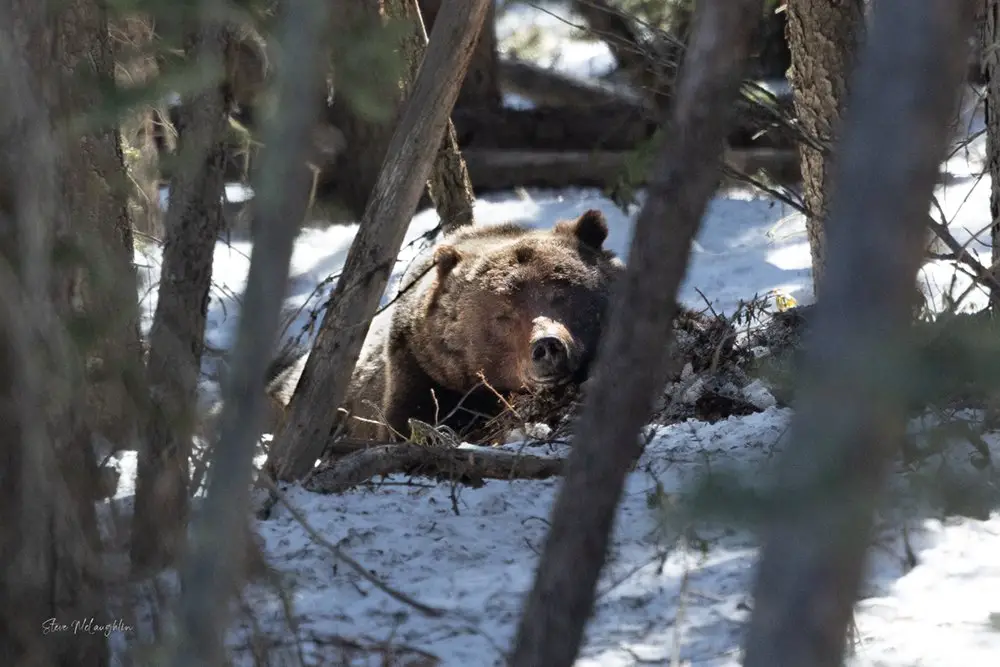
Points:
(495, 169)
(470, 465)
(547, 87)
(607, 126)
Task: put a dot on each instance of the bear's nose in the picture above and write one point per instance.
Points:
(549, 356)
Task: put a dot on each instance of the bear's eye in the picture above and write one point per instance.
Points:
(502, 317)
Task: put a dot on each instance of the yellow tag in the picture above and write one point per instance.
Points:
(783, 301)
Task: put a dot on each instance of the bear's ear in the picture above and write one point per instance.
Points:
(591, 228)
(446, 257)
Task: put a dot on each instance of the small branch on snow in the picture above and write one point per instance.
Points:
(360, 569)
(449, 462)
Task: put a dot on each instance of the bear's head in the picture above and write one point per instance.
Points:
(525, 307)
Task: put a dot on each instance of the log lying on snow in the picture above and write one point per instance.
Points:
(611, 126)
(470, 465)
(547, 87)
(495, 169)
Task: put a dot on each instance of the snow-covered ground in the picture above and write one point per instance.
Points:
(669, 595)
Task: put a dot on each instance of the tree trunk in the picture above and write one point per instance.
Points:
(97, 190)
(991, 67)
(822, 37)
(633, 361)
(49, 543)
(373, 253)
(193, 221)
(210, 575)
(481, 87)
(138, 67)
(851, 418)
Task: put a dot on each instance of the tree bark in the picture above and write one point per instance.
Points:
(49, 544)
(990, 27)
(823, 36)
(193, 221)
(852, 414)
(373, 253)
(633, 361)
(97, 191)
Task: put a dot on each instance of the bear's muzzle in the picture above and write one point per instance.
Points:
(554, 353)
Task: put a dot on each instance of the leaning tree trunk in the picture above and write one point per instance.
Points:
(49, 544)
(822, 37)
(193, 221)
(990, 26)
(636, 345)
(851, 418)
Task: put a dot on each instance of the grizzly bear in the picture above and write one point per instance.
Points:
(523, 307)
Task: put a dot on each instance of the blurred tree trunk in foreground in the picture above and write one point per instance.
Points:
(991, 68)
(852, 413)
(211, 573)
(98, 188)
(193, 223)
(823, 36)
(57, 202)
(633, 362)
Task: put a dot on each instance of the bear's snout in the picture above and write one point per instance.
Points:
(553, 353)
(549, 356)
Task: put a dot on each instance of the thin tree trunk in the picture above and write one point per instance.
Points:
(193, 221)
(209, 575)
(49, 540)
(822, 36)
(852, 414)
(449, 186)
(371, 258)
(633, 362)
(991, 67)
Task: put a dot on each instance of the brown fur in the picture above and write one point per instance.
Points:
(524, 307)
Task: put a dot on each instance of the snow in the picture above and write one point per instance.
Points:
(671, 593)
